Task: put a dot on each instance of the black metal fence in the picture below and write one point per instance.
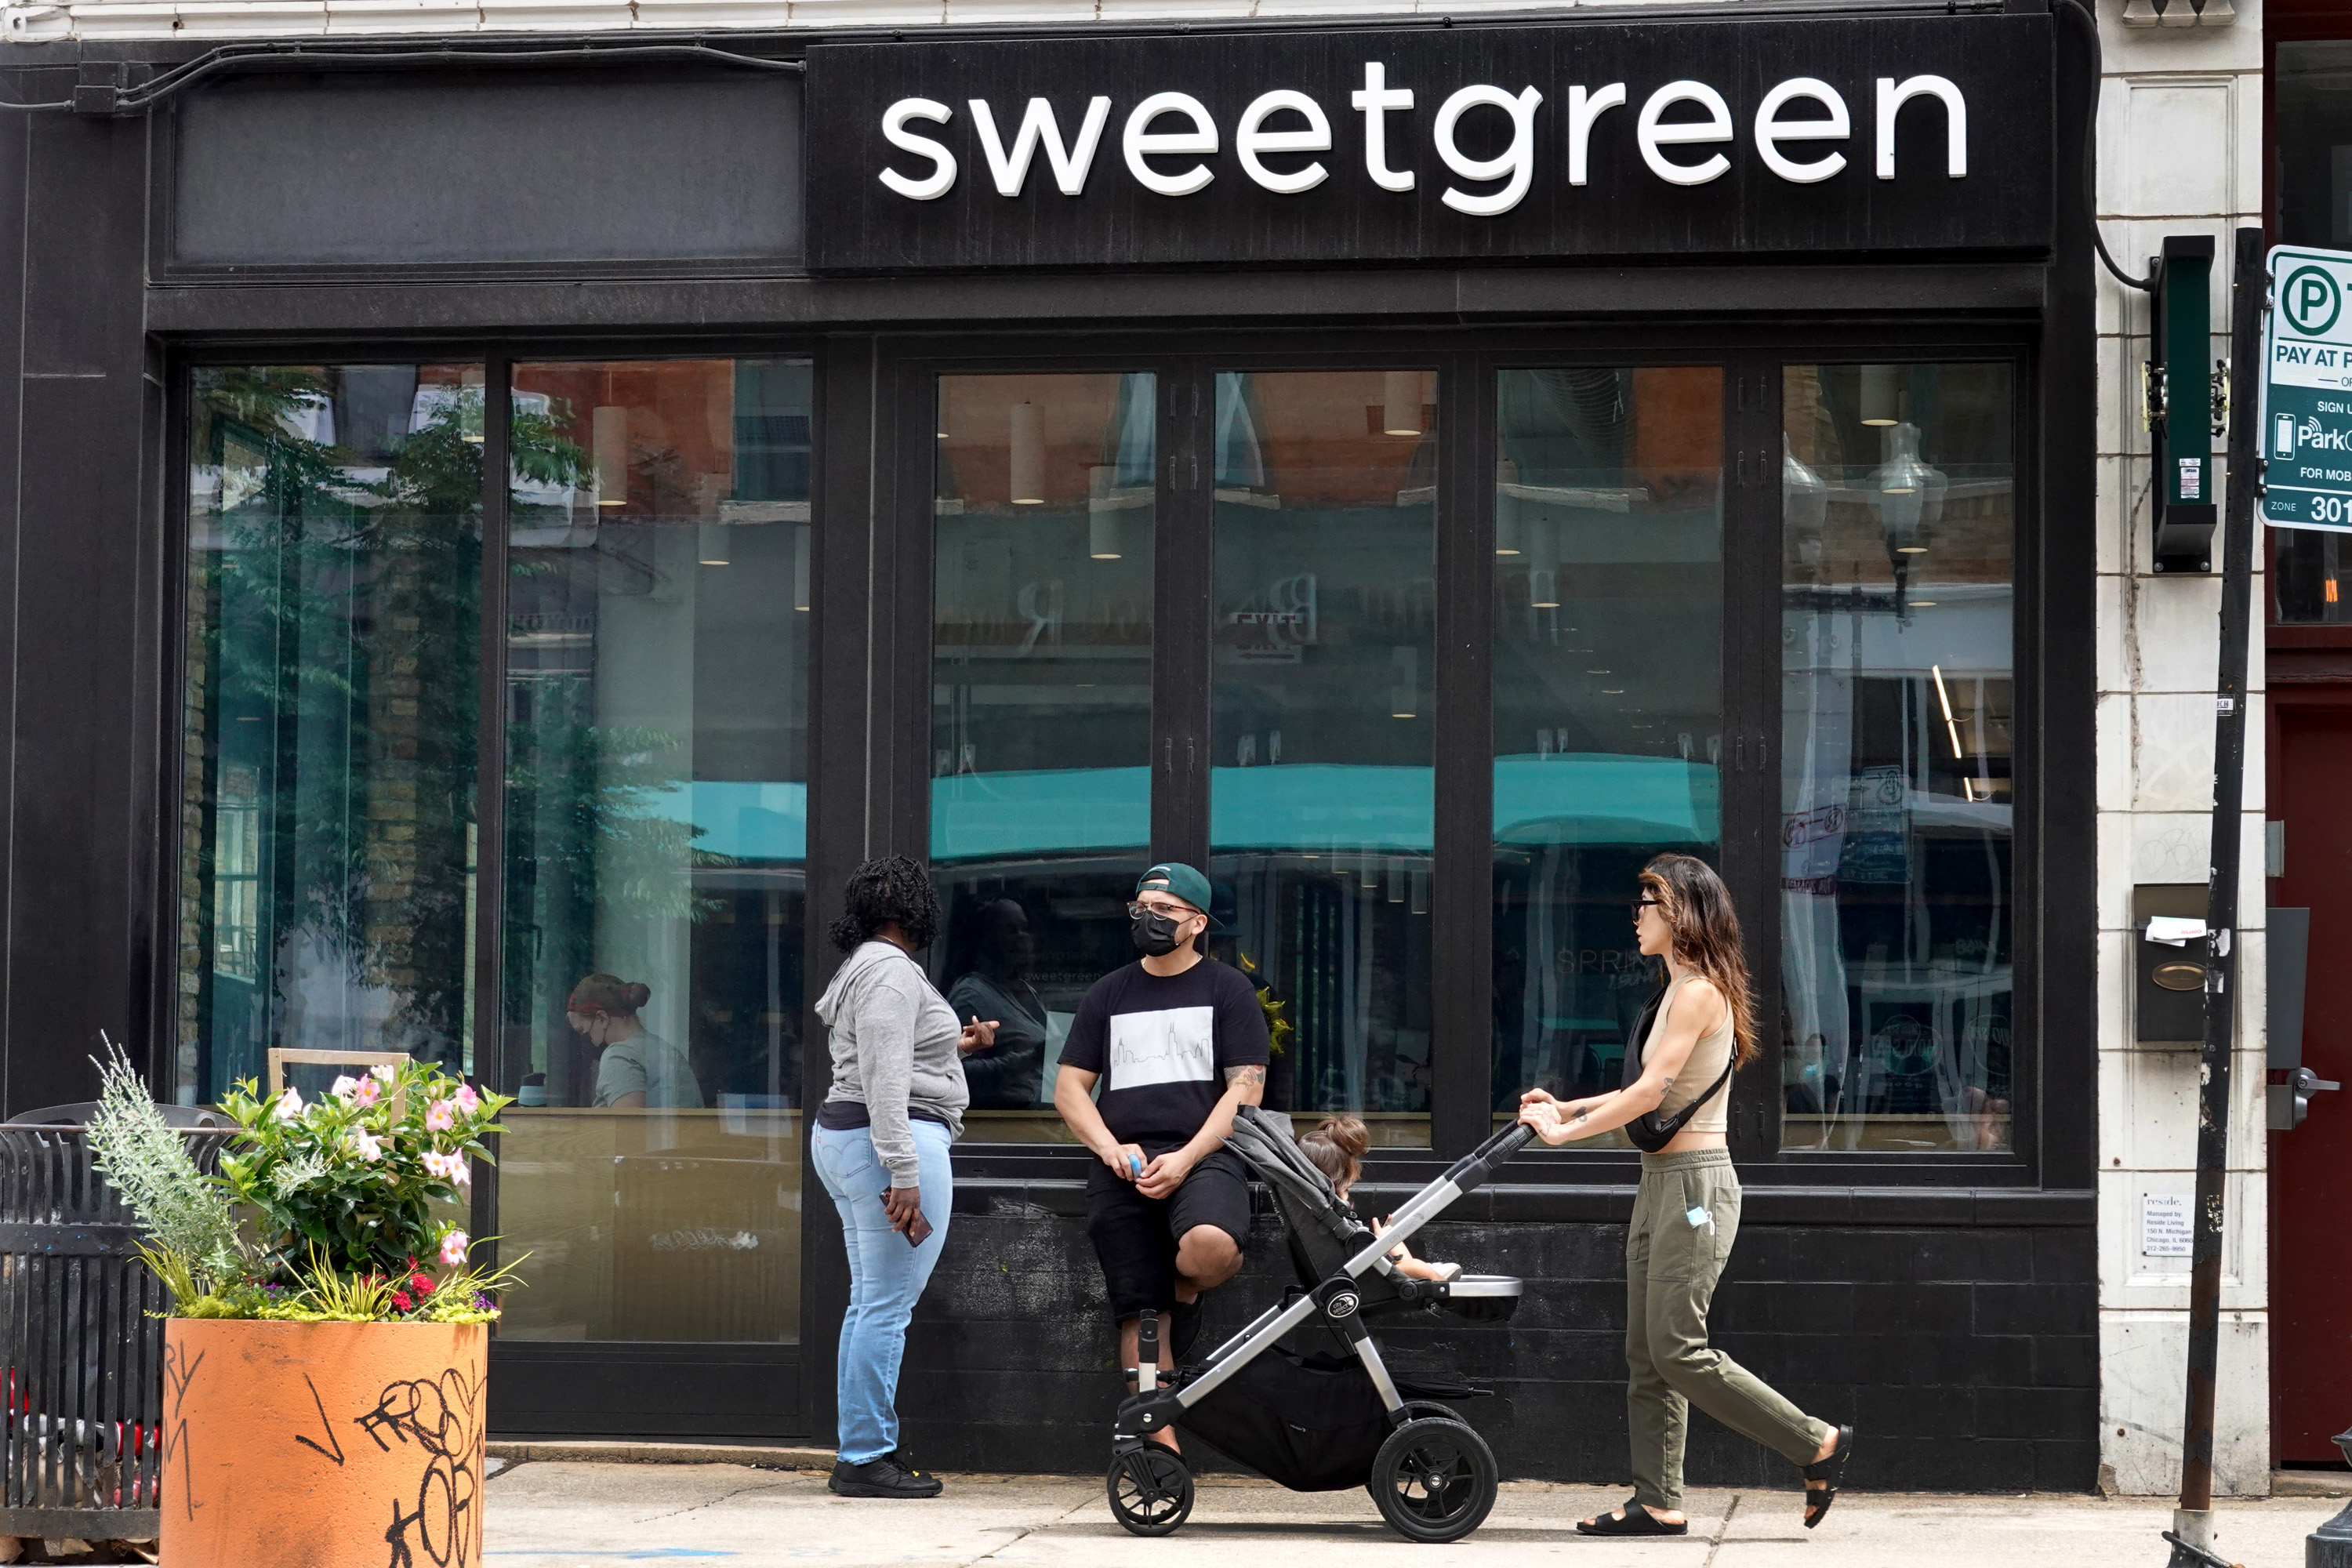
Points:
(81, 1358)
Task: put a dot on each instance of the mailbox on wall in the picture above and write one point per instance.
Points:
(2169, 994)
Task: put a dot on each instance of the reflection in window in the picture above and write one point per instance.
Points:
(335, 556)
(1608, 585)
(1320, 803)
(1041, 711)
(657, 804)
(1898, 539)
(2310, 570)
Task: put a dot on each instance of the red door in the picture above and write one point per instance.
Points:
(2311, 1167)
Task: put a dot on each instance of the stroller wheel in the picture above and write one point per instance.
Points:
(1152, 1490)
(1434, 1480)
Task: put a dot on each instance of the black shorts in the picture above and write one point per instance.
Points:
(1135, 1237)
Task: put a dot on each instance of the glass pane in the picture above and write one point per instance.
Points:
(1898, 487)
(1041, 713)
(2309, 569)
(334, 566)
(2312, 131)
(656, 806)
(1608, 698)
(1320, 802)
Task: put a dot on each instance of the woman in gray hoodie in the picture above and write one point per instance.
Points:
(880, 1147)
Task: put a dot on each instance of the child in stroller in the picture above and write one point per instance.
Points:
(1321, 1422)
(1335, 1146)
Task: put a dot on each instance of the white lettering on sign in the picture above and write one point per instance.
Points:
(1512, 171)
(2164, 1226)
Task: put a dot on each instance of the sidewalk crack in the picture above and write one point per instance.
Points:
(1720, 1531)
(1027, 1531)
(709, 1502)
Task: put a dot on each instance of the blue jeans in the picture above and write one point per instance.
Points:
(886, 1276)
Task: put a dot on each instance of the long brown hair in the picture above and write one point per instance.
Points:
(1697, 911)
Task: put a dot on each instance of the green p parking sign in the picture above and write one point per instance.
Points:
(2306, 422)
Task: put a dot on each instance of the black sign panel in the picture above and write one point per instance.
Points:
(1682, 137)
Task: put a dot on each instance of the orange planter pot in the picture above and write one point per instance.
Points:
(322, 1445)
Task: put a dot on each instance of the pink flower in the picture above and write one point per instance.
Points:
(453, 1250)
(288, 1106)
(440, 1116)
(366, 1092)
(366, 1145)
(467, 1100)
(344, 1087)
(452, 1168)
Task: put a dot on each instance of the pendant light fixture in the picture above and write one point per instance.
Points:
(1026, 455)
(1879, 382)
(608, 441)
(1541, 536)
(710, 543)
(1401, 403)
(1404, 697)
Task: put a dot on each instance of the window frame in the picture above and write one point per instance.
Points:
(1467, 361)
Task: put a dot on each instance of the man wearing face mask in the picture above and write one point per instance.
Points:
(1178, 1041)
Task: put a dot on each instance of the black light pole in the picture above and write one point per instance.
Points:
(2192, 1522)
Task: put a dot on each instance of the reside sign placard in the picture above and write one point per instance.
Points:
(1691, 139)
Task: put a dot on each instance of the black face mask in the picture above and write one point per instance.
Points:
(1155, 934)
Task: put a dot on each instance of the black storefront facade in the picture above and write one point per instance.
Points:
(1376, 464)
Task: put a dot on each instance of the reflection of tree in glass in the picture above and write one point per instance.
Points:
(338, 605)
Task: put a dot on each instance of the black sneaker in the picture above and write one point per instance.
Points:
(885, 1476)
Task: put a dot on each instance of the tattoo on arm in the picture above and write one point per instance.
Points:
(1249, 1075)
(1580, 1116)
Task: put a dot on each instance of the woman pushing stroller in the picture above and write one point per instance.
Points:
(1677, 1087)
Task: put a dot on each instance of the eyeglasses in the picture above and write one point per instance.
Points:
(1172, 910)
(1641, 904)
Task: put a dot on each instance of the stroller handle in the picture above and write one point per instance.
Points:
(1488, 1157)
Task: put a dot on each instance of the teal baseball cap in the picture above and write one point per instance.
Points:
(1182, 881)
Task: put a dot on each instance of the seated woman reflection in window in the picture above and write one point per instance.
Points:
(1004, 1075)
(637, 1069)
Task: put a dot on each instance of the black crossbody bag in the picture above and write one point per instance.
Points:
(1650, 1132)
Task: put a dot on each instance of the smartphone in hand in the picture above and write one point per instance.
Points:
(917, 1229)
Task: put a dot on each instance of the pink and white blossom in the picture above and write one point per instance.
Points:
(381, 1073)
(453, 1250)
(467, 1100)
(344, 1087)
(288, 1106)
(364, 1145)
(440, 1116)
(367, 1093)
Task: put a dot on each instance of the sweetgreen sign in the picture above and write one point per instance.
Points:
(2306, 420)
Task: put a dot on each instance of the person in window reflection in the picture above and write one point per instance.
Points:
(1004, 1075)
(637, 1069)
(1677, 1084)
(1178, 1041)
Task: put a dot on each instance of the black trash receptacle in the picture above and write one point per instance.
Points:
(82, 1361)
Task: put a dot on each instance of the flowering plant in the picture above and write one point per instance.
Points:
(321, 1210)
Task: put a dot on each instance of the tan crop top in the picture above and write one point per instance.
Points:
(1704, 1065)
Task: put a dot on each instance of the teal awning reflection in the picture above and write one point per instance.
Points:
(1594, 798)
(743, 820)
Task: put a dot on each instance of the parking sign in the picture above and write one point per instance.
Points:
(2307, 417)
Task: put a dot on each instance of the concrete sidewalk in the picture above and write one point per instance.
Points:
(545, 1513)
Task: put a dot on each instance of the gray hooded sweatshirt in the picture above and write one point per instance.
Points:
(893, 1049)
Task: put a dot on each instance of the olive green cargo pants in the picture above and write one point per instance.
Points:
(1670, 1268)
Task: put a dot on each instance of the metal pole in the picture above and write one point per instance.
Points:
(2193, 1522)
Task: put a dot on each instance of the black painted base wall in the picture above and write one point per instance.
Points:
(1966, 1358)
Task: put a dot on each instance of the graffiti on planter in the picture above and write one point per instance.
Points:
(179, 1372)
(439, 1416)
(334, 1448)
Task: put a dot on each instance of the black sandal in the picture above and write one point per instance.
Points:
(1631, 1519)
(1828, 1472)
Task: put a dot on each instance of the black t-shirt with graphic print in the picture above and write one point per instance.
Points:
(1162, 1046)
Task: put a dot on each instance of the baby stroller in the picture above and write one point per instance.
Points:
(1323, 1423)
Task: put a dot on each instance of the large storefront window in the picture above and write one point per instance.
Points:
(656, 805)
(1608, 617)
(1897, 642)
(326, 868)
(2312, 121)
(1320, 796)
(1041, 711)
